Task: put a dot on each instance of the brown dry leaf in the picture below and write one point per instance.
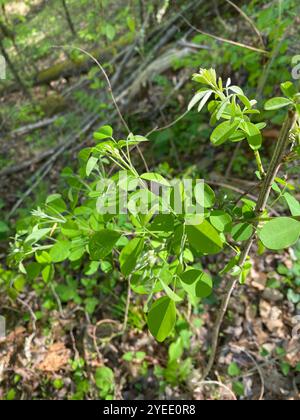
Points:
(293, 352)
(272, 318)
(256, 324)
(261, 336)
(259, 279)
(56, 358)
(289, 264)
(265, 309)
(16, 335)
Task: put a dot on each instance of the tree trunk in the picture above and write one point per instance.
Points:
(13, 69)
(68, 17)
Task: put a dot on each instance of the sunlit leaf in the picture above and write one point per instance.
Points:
(162, 318)
(280, 233)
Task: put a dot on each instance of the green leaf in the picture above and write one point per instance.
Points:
(110, 32)
(293, 297)
(261, 126)
(104, 379)
(131, 23)
(288, 89)
(162, 318)
(43, 257)
(67, 292)
(105, 132)
(48, 273)
(237, 137)
(92, 268)
(238, 388)
(56, 202)
(220, 220)
(19, 283)
(91, 164)
(33, 270)
(245, 101)
(37, 235)
(223, 131)
(84, 154)
(203, 95)
(204, 101)
(153, 177)
(222, 108)
(70, 230)
(101, 243)
(3, 227)
(77, 253)
(253, 135)
(206, 76)
(197, 283)
(130, 254)
(285, 368)
(132, 140)
(232, 263)
(162, 223)
(293, 204)
(169, 292)
(242, 232)
(91, 305)
(204, 287)
(128, 357)
(277, 103)
(176, 350)
(280, 233)
(204, 238)
(205, 196)
(11, 395)
(52, 197)
(191, 276)
(60, 251)
(237, 90)
(234, 370)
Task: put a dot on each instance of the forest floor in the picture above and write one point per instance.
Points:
(257, 347)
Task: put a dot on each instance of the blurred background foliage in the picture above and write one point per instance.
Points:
(52, 99)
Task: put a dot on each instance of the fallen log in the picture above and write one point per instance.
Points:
(158, 66)
(83, 64)
(32, 127)
(70, 68)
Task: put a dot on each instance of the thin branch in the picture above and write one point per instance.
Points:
(127, 307)
(228, 41)
(249, 20)
(264, 195)
(32, 314)
(110, 89)
(243, 193)
(232, 159)
(258, 368)
(157, 129)
(93, 335)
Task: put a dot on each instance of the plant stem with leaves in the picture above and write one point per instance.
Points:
(264, 195)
